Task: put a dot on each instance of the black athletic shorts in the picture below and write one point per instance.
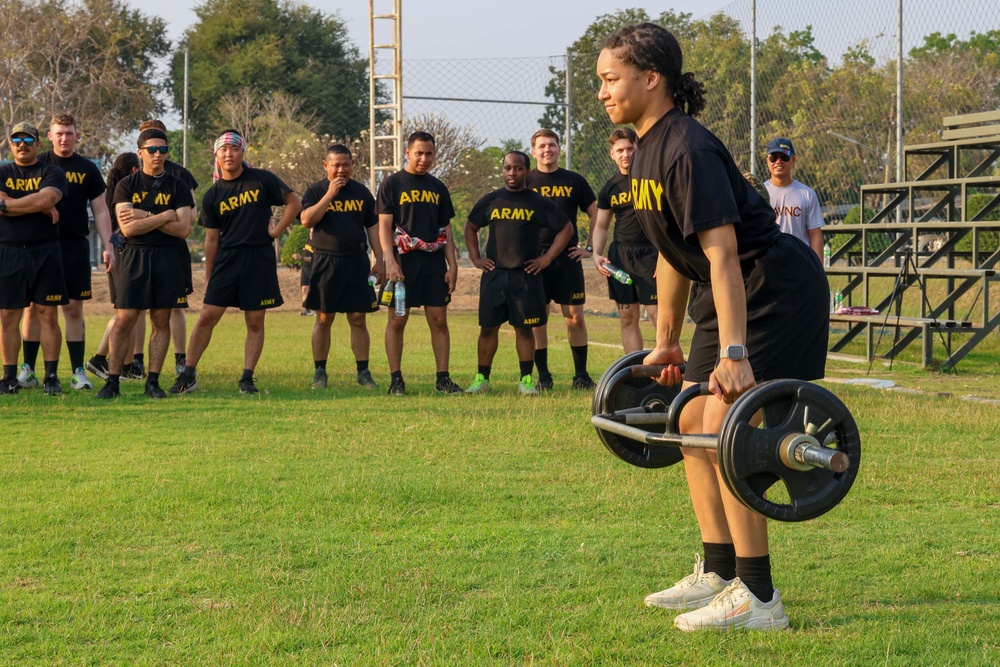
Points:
(563, 280)
(511, 295)
(117, 252)
(639, 261)
(305, 273)
(245, 277)
(76, 268)
(788, 318)
(339, 284)
(31, 274)
(152, 277)
(424, 273)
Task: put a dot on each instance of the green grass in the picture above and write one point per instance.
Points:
(344, 528)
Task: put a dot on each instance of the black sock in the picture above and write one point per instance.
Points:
(76, 351)
(51, 368)
(397, 375)
(441, 375)
(721, 559)
(10, 371)
(114, 379)
(179, 357)
(755, 573)
(526, 367)
(247, 375)
(579, 358)
(320, 363)
(31, 352)
(485, 371)
(153, 377)
(138, 358)
(542, 361)
(361, 364)
(189, 371)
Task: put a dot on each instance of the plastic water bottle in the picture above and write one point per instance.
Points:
(833, 302)
(372, 280)
(839, 300)
(826, 254)
(618, 274)
(400, 293)
(387, 292)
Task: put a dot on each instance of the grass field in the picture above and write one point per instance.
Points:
(342, 527)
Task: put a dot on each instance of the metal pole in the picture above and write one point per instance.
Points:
(899, 100)
(371, 95)
(184, 155)
(400, 150)
(753, 87)
(569, 112)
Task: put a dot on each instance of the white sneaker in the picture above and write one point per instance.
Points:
(736, 607)
(26, 377)
(692, 592)
(80, 380)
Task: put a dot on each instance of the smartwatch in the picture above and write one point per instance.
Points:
(3, 206)
(589, 248)
(734, 352)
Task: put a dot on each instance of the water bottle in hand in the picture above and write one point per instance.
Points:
(400, 294)
(618, 274)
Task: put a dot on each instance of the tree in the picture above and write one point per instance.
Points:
(271, 47)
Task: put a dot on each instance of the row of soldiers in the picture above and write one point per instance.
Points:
(145, 211)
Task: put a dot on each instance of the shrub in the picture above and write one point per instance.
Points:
(294, 242)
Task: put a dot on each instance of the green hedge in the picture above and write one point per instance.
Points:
(988, 241)
(877, 242)
(294, 242)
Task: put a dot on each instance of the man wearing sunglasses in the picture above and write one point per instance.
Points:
(795, 205)
(153, 210)
(31, 270)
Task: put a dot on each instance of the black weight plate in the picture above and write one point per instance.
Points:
(749, 457)
(631, 393)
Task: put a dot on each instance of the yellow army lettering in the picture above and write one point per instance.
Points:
(86, 294)
(75, 177)
(23, 184)
(267, 302)
(532, 320)
(345, 206)
(511, 214)
(552, 191)
(419, 197)
(646, 193)
(162, 199)
(235, 202)
(579, 295)
(621, 198)
(182, 301)
(53, 297)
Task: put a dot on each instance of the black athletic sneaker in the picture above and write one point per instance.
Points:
(109, 390)
(447, 386)
(9, 385)
(365, 379)
(544, 383)
(137, 372)
(319, 379)
(397, 387)
(184, 384)
(583, 381)
(248, 387)
(98, 367)
(153, 390)
(51, 386)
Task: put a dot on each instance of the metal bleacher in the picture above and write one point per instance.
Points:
(920, 237)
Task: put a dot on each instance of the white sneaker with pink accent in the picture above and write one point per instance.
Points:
(736, 607)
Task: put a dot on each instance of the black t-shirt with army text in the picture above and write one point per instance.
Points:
(18, 182)
(419, 203)
(343, 228)
(241, 208)
(515, 220)
(137, 188)
(568, 190)
(85, 184)
(616, 195)
(684, 181)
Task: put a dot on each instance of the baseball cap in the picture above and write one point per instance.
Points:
(780, 145)
(24, 128)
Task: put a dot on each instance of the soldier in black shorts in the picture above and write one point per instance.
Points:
(564, 277)
(239, 255)
(153, 210)
(414, 216)
(758, 299)
(510, 289)
(341, 215)
(86, 185)
(630, 250)
(31, 272)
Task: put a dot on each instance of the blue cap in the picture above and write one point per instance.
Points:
(781, 145)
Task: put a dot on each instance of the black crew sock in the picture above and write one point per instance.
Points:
(396, 375)
(114, 379)
(441, 375)
(10, 371)
(51, 368)
(76, 352)
(31, 352)
(138, 358)
(153, 378)
(320, 363)
(526, 367)
(362, 364)
(721, 559)
(542, 361)
(755, 573)
(579, 359)
(179, 357)
(190, 371)
(247, 375)
(485, 371)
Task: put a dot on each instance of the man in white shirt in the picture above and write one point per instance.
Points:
(796, 206)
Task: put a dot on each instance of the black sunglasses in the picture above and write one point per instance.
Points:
(27, 141)
(774, 157)
(153, 150)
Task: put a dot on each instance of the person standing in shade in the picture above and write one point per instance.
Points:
(340, 213)
(31, 267)
(564, 283)
(630, 250)
(510, 289)
(796, 206)
(414, 218)
(239, 255)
